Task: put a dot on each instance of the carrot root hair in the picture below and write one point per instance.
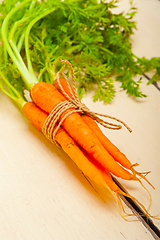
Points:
(120, 206)
(140, 174)
(146, 213)
(118, 202)
(147, 192)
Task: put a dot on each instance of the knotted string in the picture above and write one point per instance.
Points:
(51, 125)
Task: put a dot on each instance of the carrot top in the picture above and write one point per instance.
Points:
(36, 34)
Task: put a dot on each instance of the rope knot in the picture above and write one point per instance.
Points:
(82, 107)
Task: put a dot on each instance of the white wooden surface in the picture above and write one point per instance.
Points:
(43, 196)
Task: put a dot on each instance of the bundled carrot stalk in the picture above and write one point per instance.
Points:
(75, 137)
(57, 112)
(69, 92)
(86, 163)
(80, 141)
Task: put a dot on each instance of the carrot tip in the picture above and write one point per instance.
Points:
(119, 201)
(134, 165)
(142, 175)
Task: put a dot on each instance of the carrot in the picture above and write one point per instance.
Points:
(83, 161)
(47, 97)
(107, 144)
(38, 117)
(65, 85)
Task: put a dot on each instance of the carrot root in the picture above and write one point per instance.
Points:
(142, 175)
(142, 206)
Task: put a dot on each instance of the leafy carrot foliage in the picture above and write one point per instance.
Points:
(95, 40)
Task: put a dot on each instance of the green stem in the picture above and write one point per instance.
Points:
(42, 71)
(28, 78)
(20, 35)
(20, 42)
(27, 36)
(106, 50)
(19, 58)
(15, 26)
(33, 3)
(52, 69)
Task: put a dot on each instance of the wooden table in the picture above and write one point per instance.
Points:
(43, 196)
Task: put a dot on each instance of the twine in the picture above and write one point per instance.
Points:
(51, 125)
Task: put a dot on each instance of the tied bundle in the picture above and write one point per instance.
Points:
(74, 126)
(73, 102)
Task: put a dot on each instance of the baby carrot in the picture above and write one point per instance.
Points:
(38, 117)
(108, 145)
(46, 96)
(83, 161)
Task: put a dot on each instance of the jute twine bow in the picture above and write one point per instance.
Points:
(51, 125)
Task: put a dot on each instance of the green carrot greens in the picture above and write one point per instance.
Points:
(36, 34)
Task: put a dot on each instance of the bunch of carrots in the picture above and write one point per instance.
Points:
(81, 138)
(77, 133)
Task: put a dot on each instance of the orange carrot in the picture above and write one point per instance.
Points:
(46, 96)
(108, 145)
(38, 117)
(84, 162)
(66, 86)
